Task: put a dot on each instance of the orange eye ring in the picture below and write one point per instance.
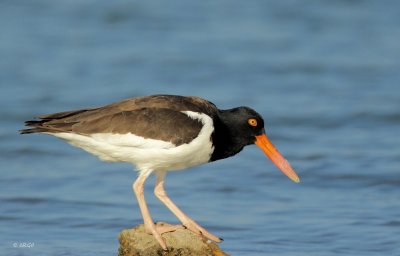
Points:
(252, 122)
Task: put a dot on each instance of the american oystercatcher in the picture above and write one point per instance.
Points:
(158, 134)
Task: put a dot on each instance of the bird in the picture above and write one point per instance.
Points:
(158, 134)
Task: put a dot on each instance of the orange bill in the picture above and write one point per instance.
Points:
(269, 149)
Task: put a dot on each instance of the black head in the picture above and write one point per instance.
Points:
(244, 124)
(234, 129)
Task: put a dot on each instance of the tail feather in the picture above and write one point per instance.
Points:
(52, 122)
(32, 123)
(33, 130)
(61, 115)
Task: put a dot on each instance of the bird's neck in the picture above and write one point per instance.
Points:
(226, 140)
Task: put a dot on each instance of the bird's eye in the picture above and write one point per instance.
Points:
(252, 122)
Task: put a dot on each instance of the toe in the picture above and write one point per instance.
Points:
(151, 229)
(165, 227)
(195, 228)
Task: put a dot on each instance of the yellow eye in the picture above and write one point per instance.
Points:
(252, 122)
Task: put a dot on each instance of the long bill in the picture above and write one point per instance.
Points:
(270, 150)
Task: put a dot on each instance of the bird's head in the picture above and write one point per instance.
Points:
(249, 129)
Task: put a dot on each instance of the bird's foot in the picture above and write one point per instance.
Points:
(198, 230)
(159, 228)
(163, 227)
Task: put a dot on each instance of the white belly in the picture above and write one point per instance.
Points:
(148, 154)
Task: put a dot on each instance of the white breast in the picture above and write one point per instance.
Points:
(148, 154)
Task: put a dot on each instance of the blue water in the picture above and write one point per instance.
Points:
(324, 74)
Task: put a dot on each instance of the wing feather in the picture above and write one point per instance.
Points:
(155, 117)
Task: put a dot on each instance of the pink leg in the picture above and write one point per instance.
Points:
(155, 230)
(190, 224)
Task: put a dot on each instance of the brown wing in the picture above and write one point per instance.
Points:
(156, 117)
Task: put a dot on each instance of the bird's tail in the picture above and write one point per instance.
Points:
(35, 127)
(52, 123)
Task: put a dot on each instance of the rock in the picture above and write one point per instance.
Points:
(181, 242)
